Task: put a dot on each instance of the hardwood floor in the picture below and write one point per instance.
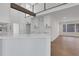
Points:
(65, 46)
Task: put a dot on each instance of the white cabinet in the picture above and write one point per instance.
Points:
(25, 45)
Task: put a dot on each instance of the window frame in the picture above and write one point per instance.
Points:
(75, 27)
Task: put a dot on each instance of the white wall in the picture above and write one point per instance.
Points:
(55, 30)
(4, 12)
(52, 20)
(55, 27)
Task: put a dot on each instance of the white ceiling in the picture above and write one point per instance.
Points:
(4, 9)
(71, 13)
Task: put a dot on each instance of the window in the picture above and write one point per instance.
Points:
(77, 27)
(70, 27)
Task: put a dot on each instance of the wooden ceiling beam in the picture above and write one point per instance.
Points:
(19, 8)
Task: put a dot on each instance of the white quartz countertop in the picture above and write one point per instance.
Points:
(25, 36)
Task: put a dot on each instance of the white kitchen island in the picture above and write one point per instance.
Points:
(25, 45)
